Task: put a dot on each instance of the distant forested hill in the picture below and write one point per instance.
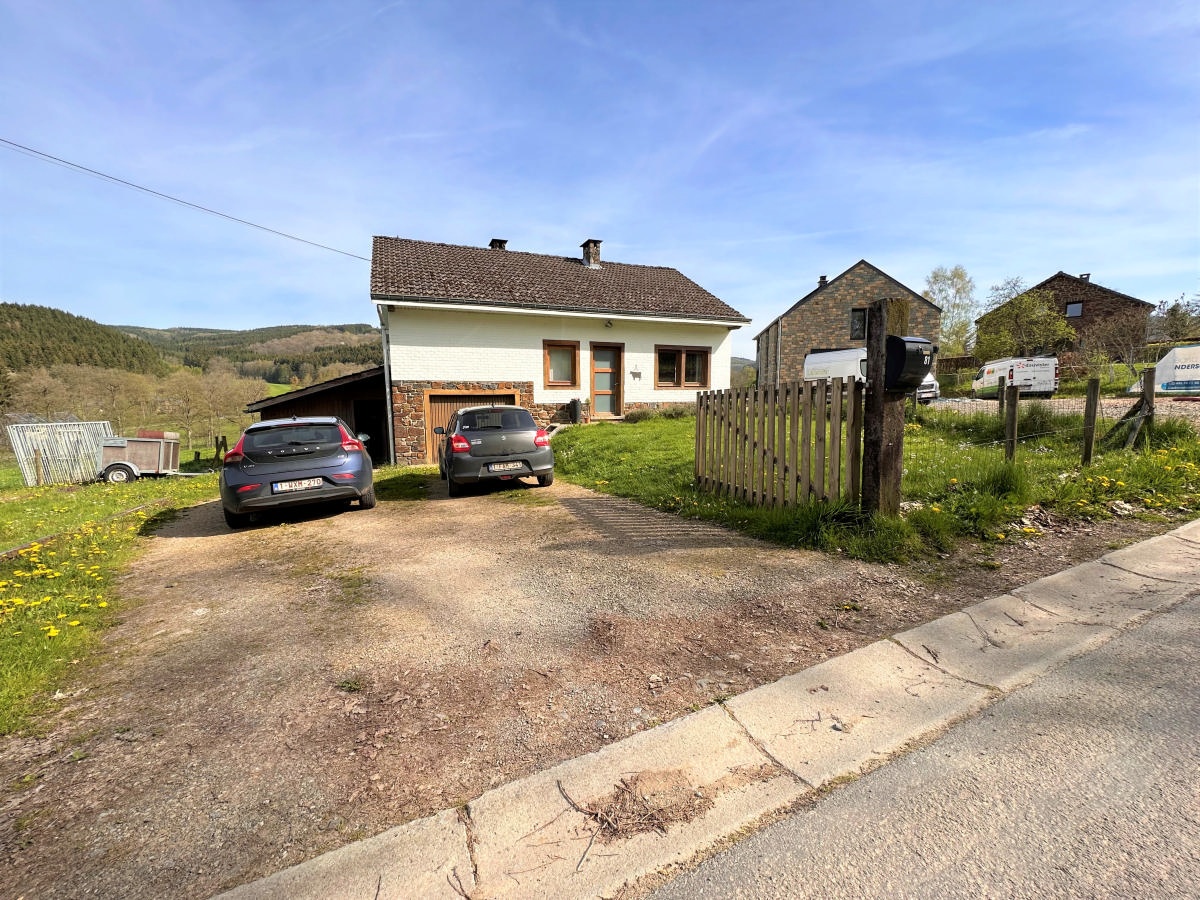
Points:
(276, 354)
(33, 337)
(38, 337)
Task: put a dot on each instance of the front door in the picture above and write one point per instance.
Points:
(606, 379)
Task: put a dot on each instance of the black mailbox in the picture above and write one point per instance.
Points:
(908, 362)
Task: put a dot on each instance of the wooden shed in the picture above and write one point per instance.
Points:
(359, 399)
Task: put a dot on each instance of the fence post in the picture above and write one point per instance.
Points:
(1011, 408)
(1090, 409)
(1000, 384)
(883, 428)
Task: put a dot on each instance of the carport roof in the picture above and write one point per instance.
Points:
(408, 270)
(270, 402)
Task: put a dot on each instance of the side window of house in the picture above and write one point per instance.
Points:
(1074, 310)
(561, 361)
(858, 324)
(681, 367)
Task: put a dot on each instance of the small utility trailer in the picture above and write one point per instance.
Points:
(79, 452)
(124, 459)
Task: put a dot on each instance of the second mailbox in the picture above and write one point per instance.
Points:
(907, 363)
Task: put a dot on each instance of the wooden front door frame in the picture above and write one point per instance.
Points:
(618, 391)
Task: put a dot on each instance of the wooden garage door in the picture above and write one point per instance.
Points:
(439, 408)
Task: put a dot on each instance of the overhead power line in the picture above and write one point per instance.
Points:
(46, 157)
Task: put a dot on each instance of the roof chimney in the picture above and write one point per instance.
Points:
(591, 253)
(821, 282)
(498, 244)
(1085, 276)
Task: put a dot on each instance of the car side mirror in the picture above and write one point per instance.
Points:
(439, 430)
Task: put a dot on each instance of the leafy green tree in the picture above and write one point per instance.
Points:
(1026, 325)
(954, 291)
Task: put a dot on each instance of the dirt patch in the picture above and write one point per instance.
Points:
(274, 693)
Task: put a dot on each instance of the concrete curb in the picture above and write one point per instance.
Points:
(723, 768)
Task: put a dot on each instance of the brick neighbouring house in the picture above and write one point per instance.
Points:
(834, 317)
(464, 325)
(1083, 303)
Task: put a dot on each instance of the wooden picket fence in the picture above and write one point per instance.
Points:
(781, 446)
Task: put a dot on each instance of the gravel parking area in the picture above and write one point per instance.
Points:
(273, 693)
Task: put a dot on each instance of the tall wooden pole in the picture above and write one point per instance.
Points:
(883, 426)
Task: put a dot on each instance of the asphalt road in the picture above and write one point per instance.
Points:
(1084, 784)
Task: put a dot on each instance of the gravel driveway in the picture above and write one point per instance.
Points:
(273, 693)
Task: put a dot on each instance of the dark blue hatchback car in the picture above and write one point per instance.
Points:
(282, 463)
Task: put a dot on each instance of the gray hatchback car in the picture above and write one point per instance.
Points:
(482, 443)
(281, 463)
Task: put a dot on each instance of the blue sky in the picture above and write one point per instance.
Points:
(752, 145)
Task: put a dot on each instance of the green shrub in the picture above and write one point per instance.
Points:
(639, 415)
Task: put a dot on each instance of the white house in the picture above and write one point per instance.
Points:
(464, 325)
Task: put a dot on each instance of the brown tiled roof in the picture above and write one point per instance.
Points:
(403, 269)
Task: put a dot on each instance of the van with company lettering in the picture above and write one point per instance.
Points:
(1176, 373)
(1034, 375)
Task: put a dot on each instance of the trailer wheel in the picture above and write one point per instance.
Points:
(119, 474)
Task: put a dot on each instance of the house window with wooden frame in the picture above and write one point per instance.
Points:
(1074, 310)
(858, 324)
(681, 367)
(561, 362)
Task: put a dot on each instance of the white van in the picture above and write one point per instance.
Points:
(1176, 373)
(836, 364)
(1032, 374)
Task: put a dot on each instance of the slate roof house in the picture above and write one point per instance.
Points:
(464, 325)
(1084, 303)
(833, 316)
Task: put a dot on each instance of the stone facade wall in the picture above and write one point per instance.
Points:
(822, 322)
(1098, 302)
(409, 404)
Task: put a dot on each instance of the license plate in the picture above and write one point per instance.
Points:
(304, 484)
(506, 466)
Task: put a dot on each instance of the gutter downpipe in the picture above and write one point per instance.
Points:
(387, 379)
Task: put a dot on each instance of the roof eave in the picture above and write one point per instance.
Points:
(464, 305)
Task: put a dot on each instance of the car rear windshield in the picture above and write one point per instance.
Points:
(291, 436)
(497, 420)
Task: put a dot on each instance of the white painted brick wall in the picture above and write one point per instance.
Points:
(450, 345)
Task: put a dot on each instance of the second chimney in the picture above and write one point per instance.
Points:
(591, 253)
(821, 282)
(498, 244)
(1085, 276)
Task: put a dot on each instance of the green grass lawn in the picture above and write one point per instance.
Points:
(954, 476)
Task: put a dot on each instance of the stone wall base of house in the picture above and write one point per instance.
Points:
(410, 406)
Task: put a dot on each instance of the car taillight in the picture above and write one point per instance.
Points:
(350, 443)
(245, 488)
(541, 439)
(1010, 376)
(459, 444)
(234, 456)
